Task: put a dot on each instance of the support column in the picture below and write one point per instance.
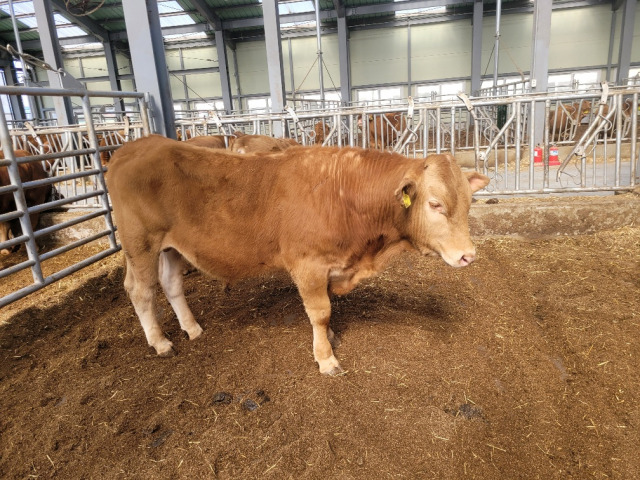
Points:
(612, 36)
(343, 55)
(540, 61)
(274, 59)
(112, 72)
(17, 108)
(476, 48)
(223, 67)
(149, 63)
(52, 56)
(236, 76)
(626, 41)
(409, 59)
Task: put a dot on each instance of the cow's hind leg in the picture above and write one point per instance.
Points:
(313, 290)
(170, 269)
(140, 282)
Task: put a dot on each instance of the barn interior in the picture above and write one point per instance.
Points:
(519, 366)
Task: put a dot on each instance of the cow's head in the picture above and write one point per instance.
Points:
(437, 200)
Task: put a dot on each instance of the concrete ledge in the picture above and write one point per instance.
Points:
(553, 216)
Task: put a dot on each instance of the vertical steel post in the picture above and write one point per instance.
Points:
(149, 62)
(291, 74)
(612, 37)
(112, 72)
(97, 164)
(223, 70)
(271, 19)
(540, 61)
(626, 41)
(320, 62)
(51, 50)
(476, 48)
(25, 69)
(497, 47)
(343, 53)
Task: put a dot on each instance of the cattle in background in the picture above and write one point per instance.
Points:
(611, 127)
(384, 129)
(262, 143)
(187, 134)
(329, 217)
(321, 131)
(563, 119)
(109, 139)
(34, 196)
(214, 141)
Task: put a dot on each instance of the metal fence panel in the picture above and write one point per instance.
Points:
(69, 166)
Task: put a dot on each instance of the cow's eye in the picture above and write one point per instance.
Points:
(436, 205)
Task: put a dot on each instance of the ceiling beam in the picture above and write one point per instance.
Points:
(207, 12)
(83, 22)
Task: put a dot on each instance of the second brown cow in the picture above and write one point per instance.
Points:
(34, 196)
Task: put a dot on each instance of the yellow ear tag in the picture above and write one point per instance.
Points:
(406, 201)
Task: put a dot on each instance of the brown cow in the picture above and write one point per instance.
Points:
(385, 129)
(261, 143)
(611, 127)
(562, 119)
(328, 216)
(321, 130)
(34, 196)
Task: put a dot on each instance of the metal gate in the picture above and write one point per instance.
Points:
(63, 167)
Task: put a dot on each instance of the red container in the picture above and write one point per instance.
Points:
(553, 155)
(537, 154)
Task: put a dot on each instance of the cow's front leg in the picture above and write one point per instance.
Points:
(315, 297)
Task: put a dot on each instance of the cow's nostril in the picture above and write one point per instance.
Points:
(467, 259)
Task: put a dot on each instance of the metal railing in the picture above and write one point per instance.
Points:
(593, 132)
(70, 158)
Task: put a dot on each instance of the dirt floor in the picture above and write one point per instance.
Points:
(521, 366)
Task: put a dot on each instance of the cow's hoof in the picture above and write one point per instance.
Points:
(167, 353)
(330, 366)
(165, 349)
(195, 332)
(5, 252)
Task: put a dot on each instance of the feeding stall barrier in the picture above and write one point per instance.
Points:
(72, 158)
(586, 139)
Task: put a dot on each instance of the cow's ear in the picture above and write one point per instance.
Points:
(406, 192)
(477, 181)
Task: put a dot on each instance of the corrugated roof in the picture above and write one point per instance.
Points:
(181, 17)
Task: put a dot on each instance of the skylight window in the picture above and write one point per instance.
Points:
(296, 25)
(176, 20)
(70, 31)
(418, 11)
(184, 36)
(170, 6)
(22, 8)
(304, 6)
